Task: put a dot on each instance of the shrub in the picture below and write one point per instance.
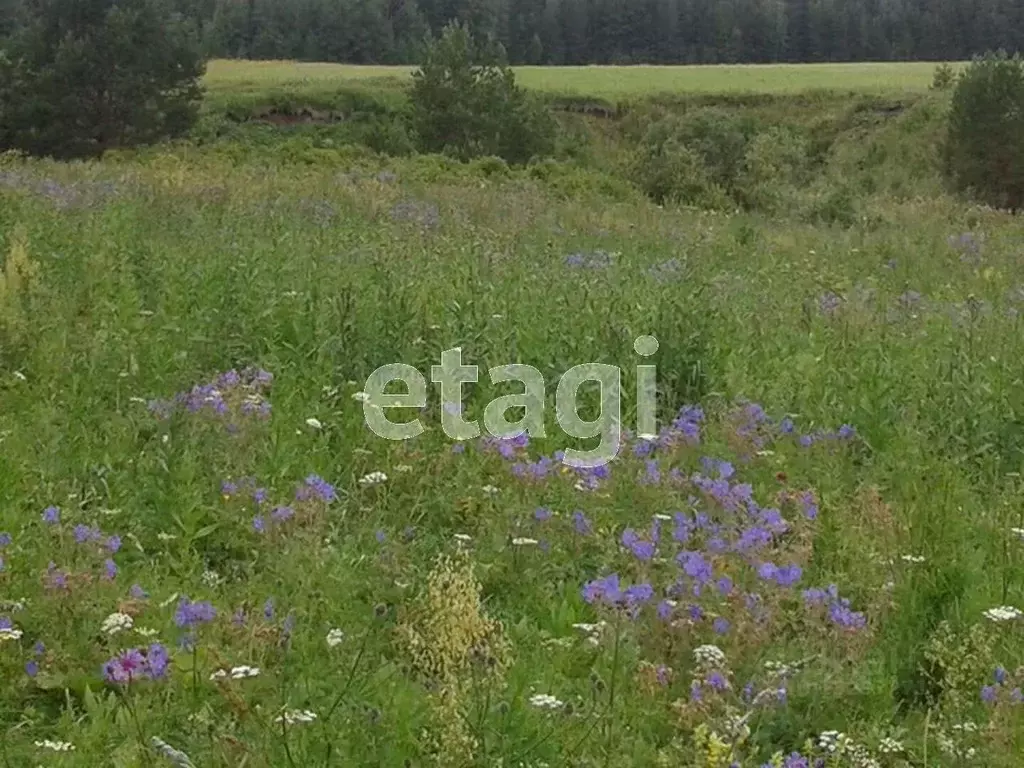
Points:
(943, 78)
(465, 102)
(671, 172)
(774, 165)
(83, 76)
(720, 138)
(984, 152)
(693, 159)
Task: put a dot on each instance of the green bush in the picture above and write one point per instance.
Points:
(465, 103)
(774, 166)
(984, 150)
(669, 171)
(720, 138)
(697, 158)
(83, 76)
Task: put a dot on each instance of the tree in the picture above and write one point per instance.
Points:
(465, 102)
(984, 151)
(83, 76)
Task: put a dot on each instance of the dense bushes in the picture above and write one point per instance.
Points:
(465, 102)
(985, 143)
(82, 76)
(712, 158)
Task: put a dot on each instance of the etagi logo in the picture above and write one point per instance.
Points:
(451, 374)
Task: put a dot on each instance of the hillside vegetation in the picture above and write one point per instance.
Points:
(816, 559)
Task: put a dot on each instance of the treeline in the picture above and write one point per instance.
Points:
(613, 31)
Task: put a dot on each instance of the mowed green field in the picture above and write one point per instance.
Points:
(612, 83)
(815, 557)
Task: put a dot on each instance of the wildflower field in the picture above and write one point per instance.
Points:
(208, 559)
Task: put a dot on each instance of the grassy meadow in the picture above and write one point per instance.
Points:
(233, 78)
(209, 560)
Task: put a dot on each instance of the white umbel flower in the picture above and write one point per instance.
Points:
(117, 622)
(296, 716)
(361, 397)
(1003, 613)
(709, 655)
(524, 542)
(314, 423)
(890, 746)
(372, 479)
(236, 673)
(545, 701)
(490, 490)
(335, 638)
(56, 746)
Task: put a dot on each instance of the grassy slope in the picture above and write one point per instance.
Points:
(158, 270)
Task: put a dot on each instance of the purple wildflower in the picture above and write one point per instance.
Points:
(157, 660)
(581, 524)
(137, 592)
(695, 566)
(988, 694)
(1000, 675)
(5, 540)
(125, 667)
(603, 590)
(191, 614)
(281, 514)
(31, 668)
(51, 515)
(721, 625)
(83, 533)
(114, 543)
(316, 487)
(109, 569)
(268, 609)
(259, 524)
(542, 514)
(717, 681)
